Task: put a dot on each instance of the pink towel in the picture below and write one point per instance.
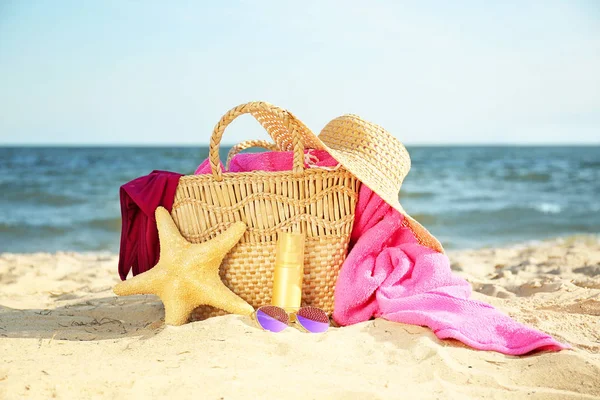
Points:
(387, 274)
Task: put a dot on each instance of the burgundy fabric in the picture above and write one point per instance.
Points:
(139, 237)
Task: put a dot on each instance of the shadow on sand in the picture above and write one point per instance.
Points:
(95, 319)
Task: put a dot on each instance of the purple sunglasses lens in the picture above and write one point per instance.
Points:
(272, 318)
(313, 319)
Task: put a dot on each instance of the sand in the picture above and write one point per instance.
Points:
(63, 334)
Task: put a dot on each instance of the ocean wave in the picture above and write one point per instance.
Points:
(425, 219)
(528, 177)
(40, 197)
(31, 230)
(416, 195)
(514, 211)
(547, 208)
(589, 164)
(509, 215)
(107, 224)
(38, 228)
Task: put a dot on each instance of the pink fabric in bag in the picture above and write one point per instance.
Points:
(272, 161)
(387, 274)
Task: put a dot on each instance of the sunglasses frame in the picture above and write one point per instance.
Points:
(292, 319)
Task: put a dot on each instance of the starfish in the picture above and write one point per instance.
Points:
(187, 275)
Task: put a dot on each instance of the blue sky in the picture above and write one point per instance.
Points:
(430, 72)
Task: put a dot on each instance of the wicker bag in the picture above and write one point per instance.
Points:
(316, 201)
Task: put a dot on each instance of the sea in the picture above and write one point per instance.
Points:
(67, 198)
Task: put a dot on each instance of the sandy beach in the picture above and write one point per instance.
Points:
(64, 334)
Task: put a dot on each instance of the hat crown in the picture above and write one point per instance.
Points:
(378, 157)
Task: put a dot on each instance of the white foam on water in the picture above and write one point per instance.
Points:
(547, 208)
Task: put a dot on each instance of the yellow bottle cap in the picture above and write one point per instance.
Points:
(290, 249)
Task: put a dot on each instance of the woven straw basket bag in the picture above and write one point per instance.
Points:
(318, 202)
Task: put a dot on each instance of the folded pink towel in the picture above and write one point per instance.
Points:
(387, 274)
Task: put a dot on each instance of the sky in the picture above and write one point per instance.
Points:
(430, 72)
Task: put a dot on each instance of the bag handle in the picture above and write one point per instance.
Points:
(285, 129)
(246, 145)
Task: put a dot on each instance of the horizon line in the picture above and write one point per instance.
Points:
(114, 145)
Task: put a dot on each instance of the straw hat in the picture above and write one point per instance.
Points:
(366, 150)
(378, 160)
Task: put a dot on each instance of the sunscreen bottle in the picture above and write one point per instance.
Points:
(289, 270)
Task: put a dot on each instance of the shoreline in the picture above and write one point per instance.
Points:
(64, 334)
(559, 239)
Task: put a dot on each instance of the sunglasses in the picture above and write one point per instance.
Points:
(276, 319)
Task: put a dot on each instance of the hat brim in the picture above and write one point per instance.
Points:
(356, 166)
(350, 163)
